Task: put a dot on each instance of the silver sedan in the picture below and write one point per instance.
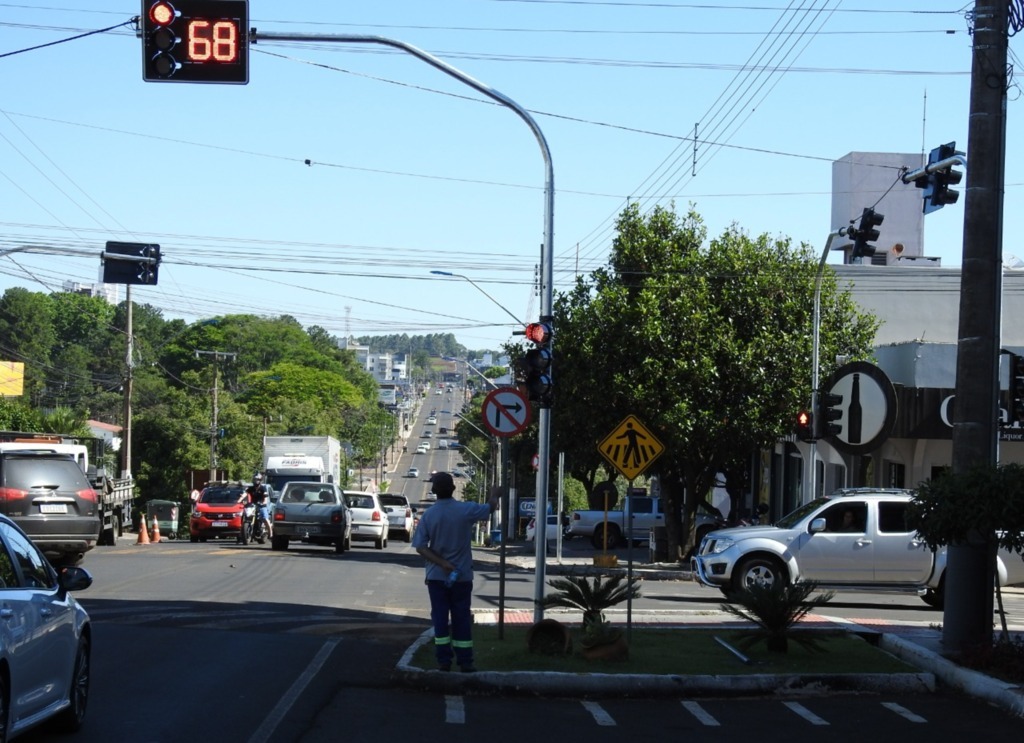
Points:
(45, 638)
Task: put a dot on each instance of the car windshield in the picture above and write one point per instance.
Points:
(220, 496)
(793, 518)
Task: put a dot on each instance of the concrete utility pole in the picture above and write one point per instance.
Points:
(216, 357)
(129, 380)
(969, 576)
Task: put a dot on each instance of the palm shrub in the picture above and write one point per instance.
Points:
(776, 609)
(591, 597)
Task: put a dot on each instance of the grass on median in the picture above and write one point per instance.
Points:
(678, 651)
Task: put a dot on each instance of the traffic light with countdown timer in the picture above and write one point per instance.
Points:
(536, 364)
(195, 41)
(804, 428)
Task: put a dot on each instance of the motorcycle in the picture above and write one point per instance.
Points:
(253, 528)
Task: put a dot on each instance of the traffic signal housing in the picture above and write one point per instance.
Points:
(140, 264)
(866, 233)
(195, 41)
(536, 364)
(1016, 411)
(804, 426)
(936, 184)
(827, 414)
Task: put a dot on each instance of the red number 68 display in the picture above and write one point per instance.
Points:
(195, 41)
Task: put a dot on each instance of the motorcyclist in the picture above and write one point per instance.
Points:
(260, 497)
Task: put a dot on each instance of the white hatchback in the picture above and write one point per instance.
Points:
(369, 521)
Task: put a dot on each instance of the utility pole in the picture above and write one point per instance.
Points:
(216, 357)
(969, 577)
(126, 430)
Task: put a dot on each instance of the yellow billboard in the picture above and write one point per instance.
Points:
(12, 378)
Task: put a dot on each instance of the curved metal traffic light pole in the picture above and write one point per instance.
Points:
(547, 261)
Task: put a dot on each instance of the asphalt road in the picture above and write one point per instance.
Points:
(223, 643)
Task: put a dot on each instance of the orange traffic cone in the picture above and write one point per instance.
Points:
(143, 532)
(156, 530)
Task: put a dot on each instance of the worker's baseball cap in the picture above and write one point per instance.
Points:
(442, 483)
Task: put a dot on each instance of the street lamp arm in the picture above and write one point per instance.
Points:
(466, 420)
(481, 290)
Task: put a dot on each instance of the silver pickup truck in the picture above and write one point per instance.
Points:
(646, 512)
(855, 539)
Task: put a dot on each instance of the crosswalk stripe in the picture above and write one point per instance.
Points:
(454, 710)
(903, 712)
(806, 713)
(601, 717)
(701, 714)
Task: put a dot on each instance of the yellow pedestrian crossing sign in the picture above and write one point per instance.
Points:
(630, 448)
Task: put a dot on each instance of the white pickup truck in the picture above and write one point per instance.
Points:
(855, 539)
(647, 513)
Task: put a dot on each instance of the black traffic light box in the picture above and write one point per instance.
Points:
(195, 41)
(536, 364)
(140, 264)
(866, 233)
(827, 414)
(1016, 411)
(804, 428)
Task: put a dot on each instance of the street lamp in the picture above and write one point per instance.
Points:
(480, 289)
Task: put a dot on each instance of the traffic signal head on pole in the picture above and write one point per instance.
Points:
(195, 41)
(827, 414)
(804, 428)
(1016, 411)
(936, 184)
(131, 263)
(536, 364)
(866, 233)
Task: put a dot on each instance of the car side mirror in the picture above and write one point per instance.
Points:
(817, 525)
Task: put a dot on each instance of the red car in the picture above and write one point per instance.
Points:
(217, 512)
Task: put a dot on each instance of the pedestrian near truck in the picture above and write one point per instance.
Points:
(444, 538)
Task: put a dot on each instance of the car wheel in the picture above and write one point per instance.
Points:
(614, 538)
(408, 536)
(193, 538)
(70, 720)
(379, 542)
(339, 546)
(936, 597)
(765, 571)
(278, 542)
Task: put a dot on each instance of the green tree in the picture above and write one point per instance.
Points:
(27, 334)
(707, 342)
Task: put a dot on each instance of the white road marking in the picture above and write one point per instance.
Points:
(701, 714)
(598, 713)
(805, 713)
(903, 712)
(454, 710)
(266, 729)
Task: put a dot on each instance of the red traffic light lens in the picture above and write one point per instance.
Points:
(803, 418)
(162, 13)
(538, 333)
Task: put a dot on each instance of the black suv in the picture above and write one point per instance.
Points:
(49, 497)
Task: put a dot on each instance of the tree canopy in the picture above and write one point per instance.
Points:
(708, 342)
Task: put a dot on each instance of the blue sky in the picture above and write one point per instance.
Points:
(410, 171)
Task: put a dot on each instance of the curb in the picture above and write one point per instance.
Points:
(542, 683)
(1002, 694)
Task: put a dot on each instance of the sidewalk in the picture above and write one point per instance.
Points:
(917, 644)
